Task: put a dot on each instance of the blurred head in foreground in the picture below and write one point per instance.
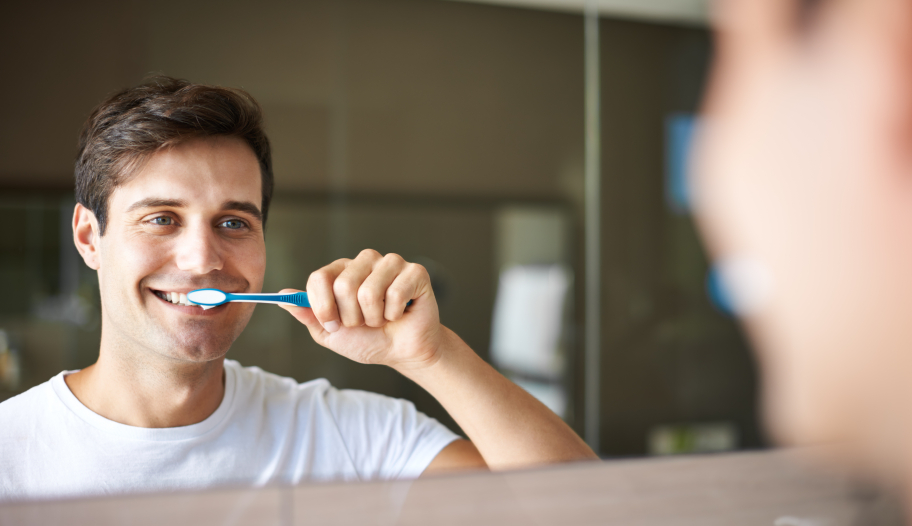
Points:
(804, 195)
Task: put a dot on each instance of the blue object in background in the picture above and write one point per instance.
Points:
(679, 134)
(718, 292)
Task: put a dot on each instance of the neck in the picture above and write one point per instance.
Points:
(139, 388)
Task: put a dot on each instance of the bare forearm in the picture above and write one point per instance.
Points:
(510, 428)
(360, 309)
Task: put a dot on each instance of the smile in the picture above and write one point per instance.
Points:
(178, 302)
(177, 298)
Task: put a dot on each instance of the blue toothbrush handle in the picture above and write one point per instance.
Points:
(297, 298)
(294, 298)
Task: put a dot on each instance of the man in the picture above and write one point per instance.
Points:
(805, 195)
(173, 182)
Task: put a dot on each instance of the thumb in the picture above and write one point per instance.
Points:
(304, 315)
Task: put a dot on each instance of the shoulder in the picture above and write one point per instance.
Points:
(27, 410)
(386, 437)
(381, 436)
(28, 402)
(364, 402)
(371, 415)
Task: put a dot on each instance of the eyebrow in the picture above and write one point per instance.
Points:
(151, 202)
(236, 206)
(243, 206)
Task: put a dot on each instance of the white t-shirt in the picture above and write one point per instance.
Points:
(267, 429)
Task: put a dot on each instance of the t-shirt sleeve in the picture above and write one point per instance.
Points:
(386, 438)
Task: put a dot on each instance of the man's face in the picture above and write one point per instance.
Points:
(189, 219)
(803, 170)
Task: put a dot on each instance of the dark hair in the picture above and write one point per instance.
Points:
(131, 125)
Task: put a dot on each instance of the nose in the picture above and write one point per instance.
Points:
(198, 249)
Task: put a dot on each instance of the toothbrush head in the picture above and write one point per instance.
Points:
(207, 298)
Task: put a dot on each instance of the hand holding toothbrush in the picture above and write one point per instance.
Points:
(359, 310)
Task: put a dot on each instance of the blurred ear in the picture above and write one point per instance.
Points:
(85, 236)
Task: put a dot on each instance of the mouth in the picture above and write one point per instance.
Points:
(178, 300)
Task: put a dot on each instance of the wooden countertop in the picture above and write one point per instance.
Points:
(761, 488)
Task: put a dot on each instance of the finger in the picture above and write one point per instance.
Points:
(347, 284)
(372, 294)
(321, 296)
(305, 316)
(410, 284)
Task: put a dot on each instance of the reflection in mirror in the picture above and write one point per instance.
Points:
(447, 133)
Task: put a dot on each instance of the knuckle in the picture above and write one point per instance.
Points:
(368, 297)
(319, 277)
(396, 294)
(369, 253)
(343, 287)
(392, 257)
(417, 270)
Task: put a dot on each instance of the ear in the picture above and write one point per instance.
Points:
(85, 236)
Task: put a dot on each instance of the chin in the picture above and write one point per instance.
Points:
(786, 428)
(196, 354)
(800, 413)
(198, 348)
(202, 340)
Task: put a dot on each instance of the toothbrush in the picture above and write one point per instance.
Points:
(208, 298)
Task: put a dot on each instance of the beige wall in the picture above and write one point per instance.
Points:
(413, 96)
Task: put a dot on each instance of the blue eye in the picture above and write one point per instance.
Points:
(234, 224)
(162, 221)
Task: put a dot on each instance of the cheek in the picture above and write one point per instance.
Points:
(250, 261)
(833, 337)
(130, 258)
(797, 228)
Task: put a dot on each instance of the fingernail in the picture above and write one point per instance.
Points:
(331, 326)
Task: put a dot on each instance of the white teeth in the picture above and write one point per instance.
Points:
(177, 298)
